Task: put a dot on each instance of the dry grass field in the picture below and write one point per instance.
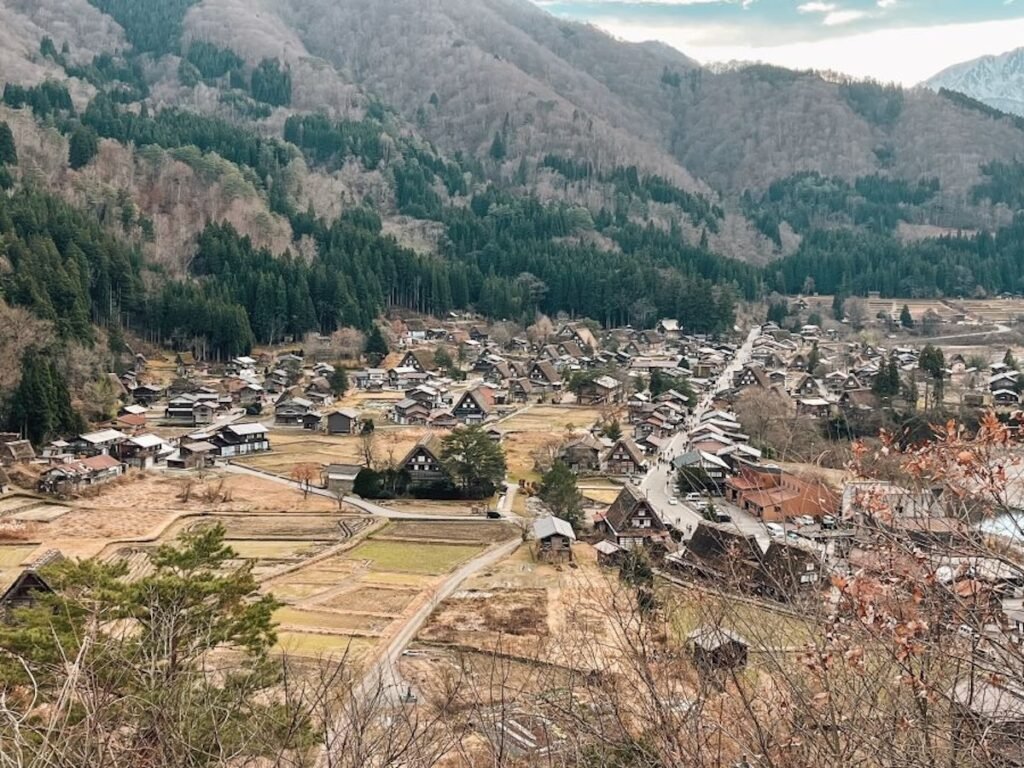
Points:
(13, 555)
(293, 447)
(551, 418)
(482, 532)
(414, 557)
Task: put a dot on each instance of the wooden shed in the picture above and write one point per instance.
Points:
(554, 539)
(716, 648)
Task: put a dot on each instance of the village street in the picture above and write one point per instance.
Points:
(659, 483)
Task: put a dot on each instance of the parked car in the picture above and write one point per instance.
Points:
(829, 522)
(775, 530)
(803, 520)
(715, 515)
(693, 496)
(673, 501)
(493, 514)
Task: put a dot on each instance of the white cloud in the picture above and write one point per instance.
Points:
(906, 55)
(837, 18)
(817, 7)
(891, 3)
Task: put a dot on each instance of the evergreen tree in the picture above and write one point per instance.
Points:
(83, 146)
(8, 150)
(271, 84)
(338, 381)
(473, 459)
(559, 491)
(814, 358)
(164, 696)
(906, 319)
(1009, 360)
(376, 345)
(40, 407)
(838, 310)
(933, 362)
(498, 148)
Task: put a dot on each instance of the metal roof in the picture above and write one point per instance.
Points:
(551, 526)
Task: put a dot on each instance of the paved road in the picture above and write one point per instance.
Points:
(659, 483)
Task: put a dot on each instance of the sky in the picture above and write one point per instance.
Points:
(904, 41)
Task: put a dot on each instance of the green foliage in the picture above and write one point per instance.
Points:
(814, 358)
(47, 49)
(40, 408)
(121, 79)
(376, 345)
(271, 84)
(838, 302)
(1004, 183)
(498, 149)
(661, 382)
(808, 200)
(878, 104)
(906, 319)
(475, 461)
(778, 311)
(8, 149)
(695, 480)
(629, 181)
(1008, 360)
(329, 143)
(244, 106)
(887, 383)
(82, 147)
(338, 381)
(559, 491)
(172, 128)
(46, 99)
(670, 78)
(151, 26)
(66, 267)
(211, 61)
(842, 261)
(612, 430)
(164, 692)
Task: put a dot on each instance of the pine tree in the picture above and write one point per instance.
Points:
(338, 381)
(376, 345)
(8, 150)
(906, 319)
(1009, 360)
(814, 359)
(498, 149)
(559, 491)
(83, 147)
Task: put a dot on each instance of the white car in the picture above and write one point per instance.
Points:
(775, 530)
(693, 496)
(673, 501)
(803, 520)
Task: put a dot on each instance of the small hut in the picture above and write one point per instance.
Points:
(554, 539)
(715, 648)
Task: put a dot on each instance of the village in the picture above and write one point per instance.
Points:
(698, 452)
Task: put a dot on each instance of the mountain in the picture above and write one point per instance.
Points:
(997, 81)
(461, 153)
